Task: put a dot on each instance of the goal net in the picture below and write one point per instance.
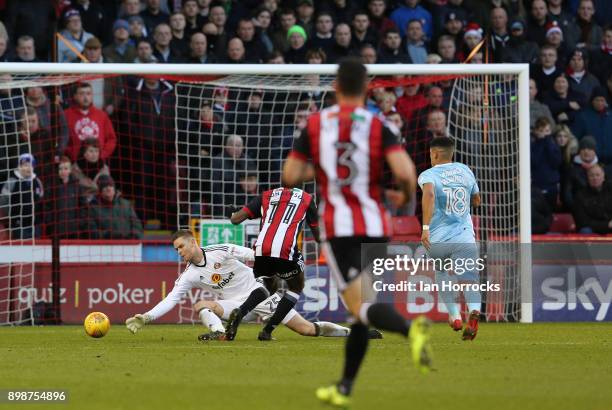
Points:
(192, 144)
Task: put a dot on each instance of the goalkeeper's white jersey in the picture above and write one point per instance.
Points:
(221, 272)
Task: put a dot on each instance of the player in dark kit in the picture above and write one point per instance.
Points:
(282, 212)
(348, 145)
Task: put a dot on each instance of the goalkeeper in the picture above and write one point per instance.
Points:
(220, 270)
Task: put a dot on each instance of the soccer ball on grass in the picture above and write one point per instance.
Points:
(96, 324)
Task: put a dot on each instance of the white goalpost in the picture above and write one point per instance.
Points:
(221, 109)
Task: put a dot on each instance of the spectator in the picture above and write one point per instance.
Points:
(342, 11)
(554, 37)
(415, 42)
(254, 48)
(569, 147)
(565, 20)
(236, 54)
(435, 101)
(435, 126)
(20, 199)
(433, 58)
(518, 49)
(342, 46)
(499, 37)
(411, 10)
(447, 49)
(35, 97)
(92, 16)
(386, 103)
(40, 143)
(536, 26)
(162, 36)
(323, 37)
(153, 16)
(111, 217)
(11, 106)
(368, 54)
(89, 167)
(601, 61)
(362, 32)
(471, 38)
(107, 92)
(590, 32)
(131, 8)
(262, 20)
(396, 119)
(86, 121)
(120, 51)
(593, 207)
(305, 12)
(545, 73)
(144, 52)
(193, 19)
(536, 108)
(453, 26)
(609, 84)
(377, 10)
(316, 57)
(297, 45)
(34, 18)
(563, 102)
(65, 218)
(585, 159)
(180, 40)
(217, 40)
(453, 10)
(6, 54)
(150, 106)
(410, 101)
(199, 50)
(545, 161)
(26, 50)
(137, 30)
(225, 171)
(541, 212)
(596, 120)
(580, 80)
(391, 51)
(275, 57)
(74, 35)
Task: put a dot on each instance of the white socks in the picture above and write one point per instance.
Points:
(329, 329)
(211, 321)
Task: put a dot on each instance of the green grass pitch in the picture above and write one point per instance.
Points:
(509, 366)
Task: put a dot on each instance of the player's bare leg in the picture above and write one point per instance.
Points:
(326, 329)
(210, 313)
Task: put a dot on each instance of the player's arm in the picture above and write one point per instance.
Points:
(427, 207)
(401, 165)
(241, 253)
(476, 201)
(252, 210)
(297, 169)
(312, 218)
(137, 322)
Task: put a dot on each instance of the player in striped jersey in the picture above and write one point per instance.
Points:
(219, 269)
(282, 212)
(348, 147)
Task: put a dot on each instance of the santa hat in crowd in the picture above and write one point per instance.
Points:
(473, 29)
(553, 27)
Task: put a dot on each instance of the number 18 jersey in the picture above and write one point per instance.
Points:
(454, 184)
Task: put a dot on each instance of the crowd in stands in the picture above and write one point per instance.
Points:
(120, 131)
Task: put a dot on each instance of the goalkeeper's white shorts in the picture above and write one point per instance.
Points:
(264, 310)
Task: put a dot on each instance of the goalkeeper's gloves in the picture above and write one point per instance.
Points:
(137, 322)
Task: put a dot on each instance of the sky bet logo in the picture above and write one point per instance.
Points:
(592, 295)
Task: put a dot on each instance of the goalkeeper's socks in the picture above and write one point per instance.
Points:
(211, 321)
(286, 303)
(473, 300)
(255, 298)
(356, 347)
(383, 316)
(329, 329)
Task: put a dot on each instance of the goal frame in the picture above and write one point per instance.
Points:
(521, 70)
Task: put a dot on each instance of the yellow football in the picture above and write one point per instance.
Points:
(96, 324)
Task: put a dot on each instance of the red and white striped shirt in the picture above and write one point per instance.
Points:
(347, 145)
(282, 212)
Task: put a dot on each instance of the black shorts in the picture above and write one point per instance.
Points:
(345, 259)
(268, 266)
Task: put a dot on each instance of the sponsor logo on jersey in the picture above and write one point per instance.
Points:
(216, 277)
(221, 284)
(217, 265)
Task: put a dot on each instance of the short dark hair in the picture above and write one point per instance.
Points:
(445, 143)
(542, 122)
(78, 86)
(183, 233)
(352, 77)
